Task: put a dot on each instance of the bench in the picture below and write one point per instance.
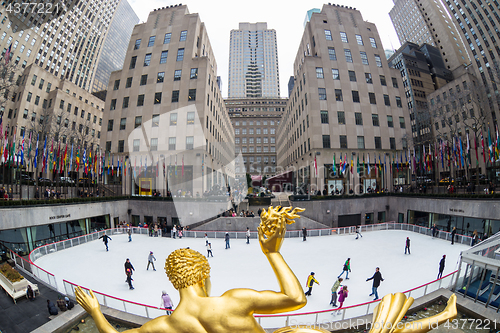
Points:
(17, 289)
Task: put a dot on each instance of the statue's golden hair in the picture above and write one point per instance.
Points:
(186, 267)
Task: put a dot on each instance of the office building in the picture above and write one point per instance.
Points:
(346, 103)
(253, 62)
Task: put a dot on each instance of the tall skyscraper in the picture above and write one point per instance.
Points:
(346, 106)
(253, 62)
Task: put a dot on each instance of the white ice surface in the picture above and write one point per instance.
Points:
(246, 266)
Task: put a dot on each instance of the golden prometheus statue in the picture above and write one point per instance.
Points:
(232, 312)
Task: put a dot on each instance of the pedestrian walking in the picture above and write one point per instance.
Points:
(377, 278)
(206, 240)
(342, 296)
(151, 257)
(304, 233)
(335, 287)
(358, 232)
(128, 266)
(166, 302)
(129, 279)
(310, 281)
(129, 232)
(248, 235)
(209, 250)
(105, 240)
(407, 247)
(441, 266)
(453, 232)
(346, 268)
(174, 231)
(227, 241)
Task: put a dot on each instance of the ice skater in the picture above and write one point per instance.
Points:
(346, 268)
(206, 240)
(377, 278)
(151, 257)
(105, 240)
(453, 232)
(174, 231)
(441, 267)
(248, 235)
(407, 247)
(166, 302)
(335, 287)
(342, 296)
(227, 241)
(310, 281)
(358, 232)
(129, 232)
(434, 230)
(129, 279)
(128, 266)
(209, 250)
(304, 233)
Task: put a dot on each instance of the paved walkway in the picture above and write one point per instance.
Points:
(25, 316)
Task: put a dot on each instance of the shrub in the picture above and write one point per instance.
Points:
(10, 273)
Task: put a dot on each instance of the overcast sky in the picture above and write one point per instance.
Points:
(286, 17)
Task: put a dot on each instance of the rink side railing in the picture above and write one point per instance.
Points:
(149, 311)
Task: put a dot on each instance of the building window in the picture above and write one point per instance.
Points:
(387, 101)
(155, 120)
(372, 98)
(157, 98)
(166, 39)
(133, 61)
(378, 61)
(147, 59)
(361, 142)
(343, 37)
(138, 121)
(359, 39)
(125, 103)
(40, 86)
(375, 121)
(173, 119)
(355, 96)
(338, 95)
(324, 117)
(180, 54)
(378, 142)
(389, 121)
(121, 146)
(328, 34)
(112, 106)
(177, 74)
(108, 145)
(137, 44)
(25, 114)
(319, 73)
(190, 118)
(189, 142)
(394, 82)
(335, 74)
(402, 122)
(331, 53)
(144, 79)
(123, 123)
(348, 55)
(194, 73)
(171, 143)
(183, 36)
(341, 117)
(163, 57)
(326, 141)
(33, 80)
(140, 100)
(322, 94)
(110, 125)
(359, 118)
(116, 85)
(393, 143)
(192, 95)
(373, 42)
(364, 58)
(154, 144)
(352, 76)
(399, 104)
(382, 80)
(128, 84)
(136, 144)
(151, 41)
(343, 141)
(175, 96)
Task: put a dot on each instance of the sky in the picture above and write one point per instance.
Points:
(221, 16)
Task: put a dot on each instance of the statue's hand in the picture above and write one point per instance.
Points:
(274, 241)
(89, 303)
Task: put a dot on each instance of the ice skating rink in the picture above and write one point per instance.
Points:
(245, 266)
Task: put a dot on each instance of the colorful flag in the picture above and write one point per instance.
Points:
(7, 55)
(482, 144)
(36, 152)
(71, 158)
(44, 157)
(334, 166)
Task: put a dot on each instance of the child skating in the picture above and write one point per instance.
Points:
(209, 250)
(346, 268)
